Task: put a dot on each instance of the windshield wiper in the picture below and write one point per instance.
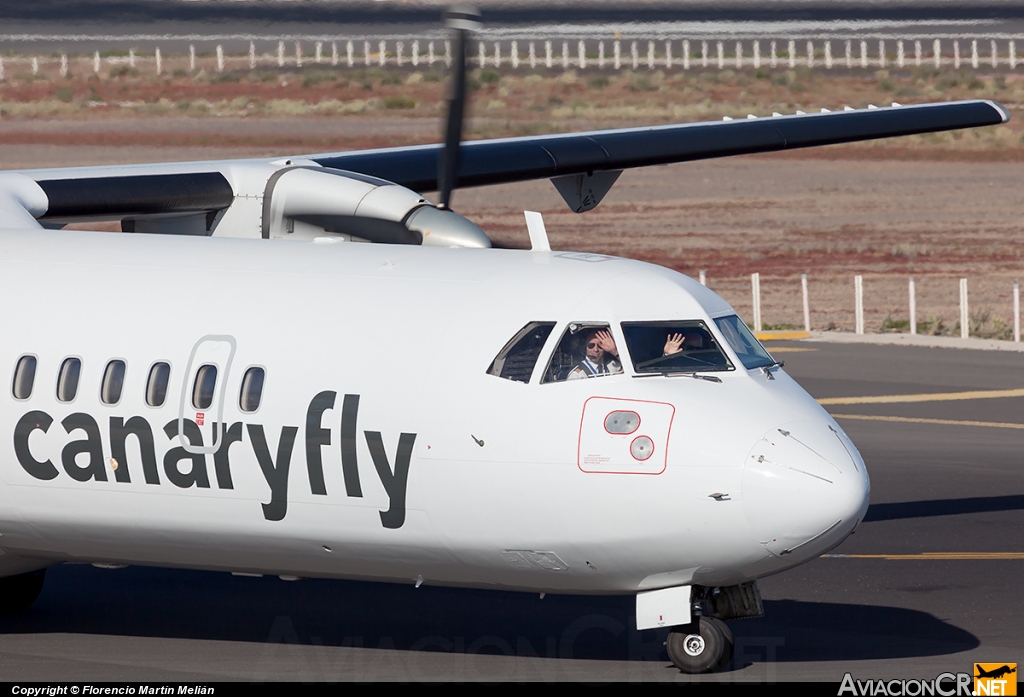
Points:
(680, 374)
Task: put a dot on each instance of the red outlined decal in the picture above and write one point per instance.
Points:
(600, 450)
(623, 422)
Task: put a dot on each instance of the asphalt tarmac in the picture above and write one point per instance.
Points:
(926, 585)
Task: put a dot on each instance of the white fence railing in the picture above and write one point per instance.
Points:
(853, 53)
(964, 317)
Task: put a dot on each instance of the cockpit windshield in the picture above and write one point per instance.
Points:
(671, 347)
(749, 350)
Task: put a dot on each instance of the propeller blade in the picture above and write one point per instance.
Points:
(462, 19)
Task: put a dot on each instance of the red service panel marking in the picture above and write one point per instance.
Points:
(602, 452)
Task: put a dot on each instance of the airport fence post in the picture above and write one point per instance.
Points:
(913, 306)
(96, 62)
(828, 55)
(703, 276)
(849, 54)
(533, 55)
(334, 53)
(703, 54)
(600, 55)
(956, 54)
(1, 67)
(650, 55)
(721, 55)
(63, 65)
(280, 54)
(617, 52)
(807, 302)
(319, 50)
(1013, 54)
(863, 54)
(158, 65)
(900, 59)
(415, 53)
(937, 53)
(858, 309)
(965, 317)
(755, 287)
(399, 52)
(581, 49)
(757, 55)
(974, 54)
(995, 53)
(252, 55)
(481, 54)
(686, 54)
(739, 55)
(881, 54)
(810, 54)
(220, 58)
(1016, 312)
(635, 56)
(917, 54)
(35, 65)
(514, 51)
(792, 53)
(192, 56)
(497, 54)
(366, 52)
(773, 60)
(565, 55)
(131, 57)
(547, 54)
(668, 54)
(382, 54)
(430, 54)
(448, 54)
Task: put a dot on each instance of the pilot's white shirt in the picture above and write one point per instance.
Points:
(588, 369)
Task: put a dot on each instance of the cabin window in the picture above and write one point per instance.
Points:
(673, 347)
(67, 379)
(156, 385)
(748, 349)
(519, 356)
(24, 377)
(586, 350)
(206, 383)
(113, 382)
(252, 389)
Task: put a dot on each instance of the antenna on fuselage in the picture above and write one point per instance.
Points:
(538, 232)
(462, 19)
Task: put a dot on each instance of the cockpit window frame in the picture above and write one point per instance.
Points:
(528, 328)
(639, 369)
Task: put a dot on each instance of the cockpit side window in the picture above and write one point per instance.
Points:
(669, 347)
(749, 350)
(518, 357)
(586, 350)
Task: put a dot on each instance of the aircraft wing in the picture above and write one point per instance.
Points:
(541, 157)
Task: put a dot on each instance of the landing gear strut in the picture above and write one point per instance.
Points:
(18, 592)
(704, 645)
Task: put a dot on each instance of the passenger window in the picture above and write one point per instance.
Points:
(673, 347)
(113, 382)
(518, 357)
(67, 379)
(252, 389)
(206, 383)
(24, 377)
(585, 351)
(156, 385)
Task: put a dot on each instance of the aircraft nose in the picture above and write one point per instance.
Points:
(805, 488)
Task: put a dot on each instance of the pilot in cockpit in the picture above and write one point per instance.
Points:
(600, 356)
(680, 341)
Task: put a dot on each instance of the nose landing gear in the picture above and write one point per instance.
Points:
(704, 645)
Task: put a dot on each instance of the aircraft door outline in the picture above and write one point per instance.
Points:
(217, 350)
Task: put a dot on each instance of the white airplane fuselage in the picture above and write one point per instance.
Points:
(382, 449)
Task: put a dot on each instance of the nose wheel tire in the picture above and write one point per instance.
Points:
(702, 646)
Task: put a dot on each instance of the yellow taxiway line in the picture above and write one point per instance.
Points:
(782, 335)
(932, 556)
(928, 397)
(939, 422)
